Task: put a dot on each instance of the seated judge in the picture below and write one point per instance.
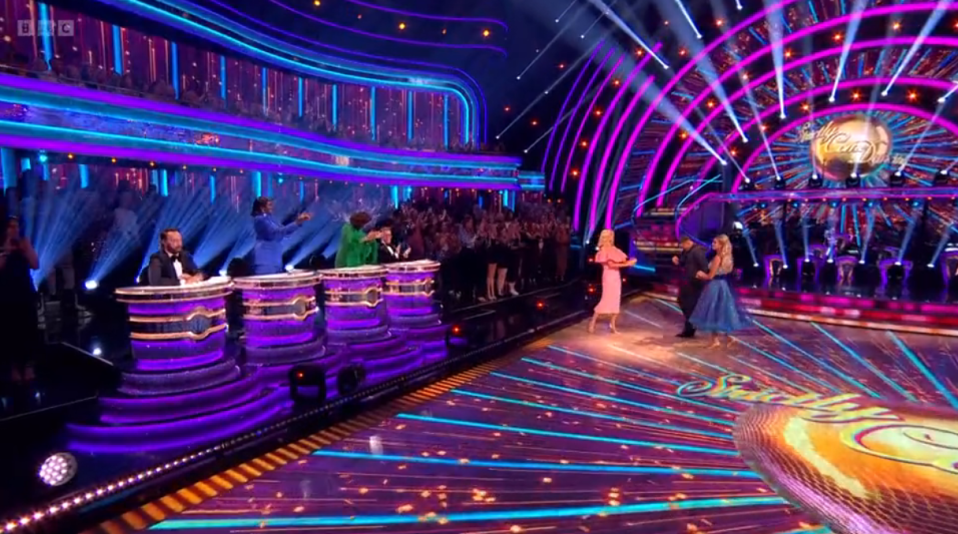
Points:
(356, 247)
(390, 252)
(268, 248)
(172, 266)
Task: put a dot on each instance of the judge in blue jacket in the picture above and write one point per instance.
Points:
(268, 249)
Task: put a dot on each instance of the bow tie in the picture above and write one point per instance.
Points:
(175, 257)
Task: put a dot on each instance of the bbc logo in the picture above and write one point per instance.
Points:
(48, 28)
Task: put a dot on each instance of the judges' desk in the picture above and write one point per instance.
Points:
(412, 307)
(182, 388)
(357, 327)
(279, 318)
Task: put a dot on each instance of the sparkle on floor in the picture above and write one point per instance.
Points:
(585, 434)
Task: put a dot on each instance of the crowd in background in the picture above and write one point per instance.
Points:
(195, 94)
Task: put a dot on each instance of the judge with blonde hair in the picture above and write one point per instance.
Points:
(612, 261)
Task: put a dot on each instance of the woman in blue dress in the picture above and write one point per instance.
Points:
(717, 312)
(268, 248)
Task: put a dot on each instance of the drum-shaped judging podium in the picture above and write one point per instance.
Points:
(181, 388)
(412, 307)
(358, 329)
(279, 318)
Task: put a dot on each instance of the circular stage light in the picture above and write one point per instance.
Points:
(91, 285)
(58, 469)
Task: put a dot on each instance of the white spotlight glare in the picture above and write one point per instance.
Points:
(289, 268)
(526, 151)
(58, 469)
(582, 36)
(884, 93)
(781, 115)
(723, 162)
(519, 77)
(831, 99)
(97, 351)
(91, 285)
(222, 272)
(941, 100)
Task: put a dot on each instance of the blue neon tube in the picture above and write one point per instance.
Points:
(445, 121)
(372, 112)
(223, 79)
(46, 31)
(175, 66)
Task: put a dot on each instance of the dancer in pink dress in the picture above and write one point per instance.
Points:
(612, 260)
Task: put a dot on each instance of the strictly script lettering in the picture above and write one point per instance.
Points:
(835, 409)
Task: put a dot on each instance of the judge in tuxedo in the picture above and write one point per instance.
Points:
(172, 266)
(390, 252)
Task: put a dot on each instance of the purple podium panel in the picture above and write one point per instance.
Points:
(357, 326)
(412, 307)
(181, 379)
(279, 316)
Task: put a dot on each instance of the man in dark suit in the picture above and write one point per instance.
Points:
(691, 260)
(172, 266)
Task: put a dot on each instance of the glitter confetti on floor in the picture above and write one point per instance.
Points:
(585, 434)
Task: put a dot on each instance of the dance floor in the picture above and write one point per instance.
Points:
(581, 433)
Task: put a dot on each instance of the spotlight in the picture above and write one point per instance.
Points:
(779, 183)
(97, 351)
(58, 469)
(941, 178)
(91, 285)
(831, 99)
(289, 268)
(307, 376)
(853, 181)
(815, 182)
(896, 180)
(222, 272)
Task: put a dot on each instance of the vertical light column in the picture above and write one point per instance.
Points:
(445, 121)
(257, 183)
(335, 110)
(410, 102)
(118, 49)
(268, 178)
(155, 179)
(212, 188)
(301, 95)
(8, 162)
(464, 119)
(394, 191)
(174, 69)
(164, 183)
(265, 84)
(84, 176)
(223, 79)
(46, 30)
(372, 112)
(302, 191)
(44, 166)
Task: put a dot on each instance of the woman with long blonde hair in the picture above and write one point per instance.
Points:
(612, 261)
(717, 312)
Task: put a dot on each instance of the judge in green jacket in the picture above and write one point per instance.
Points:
(356, 247)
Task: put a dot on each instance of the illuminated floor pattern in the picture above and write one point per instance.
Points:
(584, 434)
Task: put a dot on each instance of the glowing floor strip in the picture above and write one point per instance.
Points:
(536, 432)
(539, 466)
(585, 413)
(501, 515)
(614, 399)
(628, 386)
(866, 364)
(627, 369)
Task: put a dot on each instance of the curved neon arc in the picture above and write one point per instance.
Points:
(371, 35)
(931, 83)
(568, 126)
(165, 17)
(755, 56)
(607, 154)
(565, 104)
(428, 16)
(588, 114)
(937, 120)
(881, 106)
(479, 102)
(595, 139)
(893, 41)
(693, 62)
